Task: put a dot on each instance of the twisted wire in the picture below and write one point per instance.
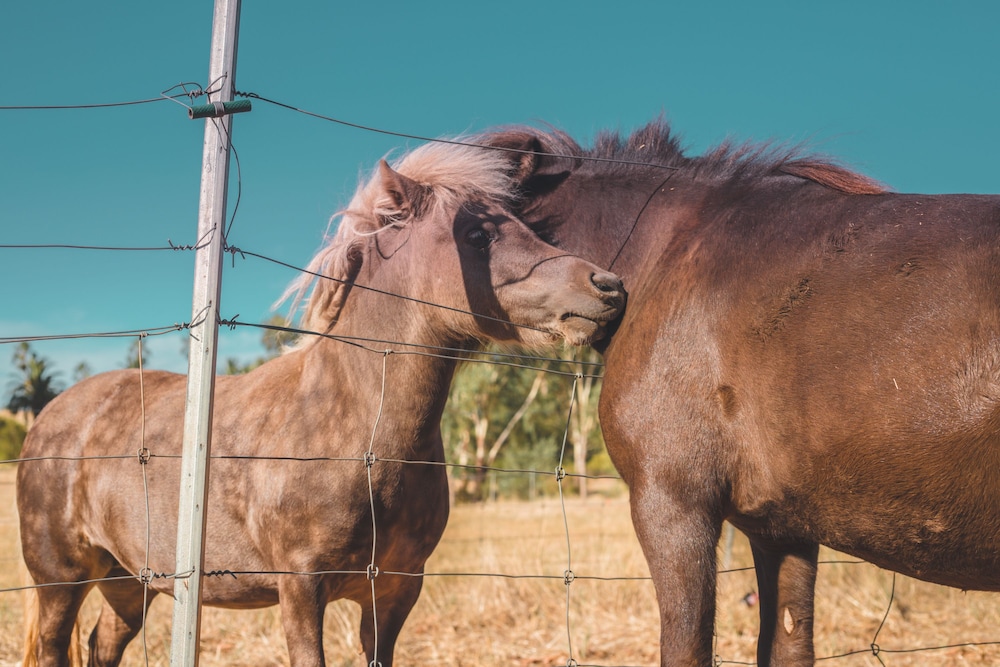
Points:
(456, 142)
(143, 456)
(372, 571)
(560, 476)
(146, 576)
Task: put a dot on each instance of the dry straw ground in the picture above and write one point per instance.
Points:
(473, 621)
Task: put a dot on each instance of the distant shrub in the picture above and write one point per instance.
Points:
(600, 464)
(12, 434)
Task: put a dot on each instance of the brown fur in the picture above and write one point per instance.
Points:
(435, 231)
(834, 177)
(804, 354)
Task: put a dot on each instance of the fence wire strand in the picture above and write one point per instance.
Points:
(144, 455)
(560, 477)
(370, 459)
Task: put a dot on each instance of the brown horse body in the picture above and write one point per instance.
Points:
(804, 354)
(436, 231)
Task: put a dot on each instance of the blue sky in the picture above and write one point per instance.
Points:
(905, 92)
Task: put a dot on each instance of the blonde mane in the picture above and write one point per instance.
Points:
(452, 175)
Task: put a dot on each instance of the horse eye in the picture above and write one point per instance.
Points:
(547, 237)
(479, 238)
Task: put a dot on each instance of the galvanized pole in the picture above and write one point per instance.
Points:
(204, 337)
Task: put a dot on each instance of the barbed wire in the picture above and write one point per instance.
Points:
(70, 246)
(455, 142)
(145, 577)
(171, 246)
(568, 576)
(490, 357)
(198, 91)
(128, 333)
(457, 354)
(369, 459)
(425, 575)
(875, 649)
(247, 253)
(164, 96)
(232, 250)
(89, 582)
(68, 107)
(463, 354)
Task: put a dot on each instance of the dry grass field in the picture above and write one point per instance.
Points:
(479, 621)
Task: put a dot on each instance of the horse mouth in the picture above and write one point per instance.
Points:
(581, 330)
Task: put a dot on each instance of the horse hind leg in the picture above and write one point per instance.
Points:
(121, 619)
(51, 632)
(786, 580)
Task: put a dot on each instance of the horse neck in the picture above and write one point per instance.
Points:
(381, 357)
(624, 220)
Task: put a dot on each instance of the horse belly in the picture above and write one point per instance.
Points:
(869, 420)
(924, 511)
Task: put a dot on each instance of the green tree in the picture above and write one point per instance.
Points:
(132, 360)
(36, 385)
(234, 367)
(503, 416)
(516, 418)
(82, 371)
(274, 340)
(12, 434)
(584, 434)
(486, 404)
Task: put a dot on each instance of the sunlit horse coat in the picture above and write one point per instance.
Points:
(804, 353)
(435, 230)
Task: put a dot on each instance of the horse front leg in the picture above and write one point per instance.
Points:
(302, 600)
(786, 581)
(380, 626)
(679, 533)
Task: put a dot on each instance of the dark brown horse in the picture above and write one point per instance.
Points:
(437, 231)
(804, 353)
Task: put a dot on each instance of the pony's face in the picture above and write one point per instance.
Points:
(495, 277)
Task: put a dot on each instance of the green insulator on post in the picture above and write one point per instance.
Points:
(218, 109)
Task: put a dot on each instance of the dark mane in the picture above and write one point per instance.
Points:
(655, 144)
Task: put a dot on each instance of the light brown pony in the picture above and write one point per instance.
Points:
(804, 354)
(435, 229)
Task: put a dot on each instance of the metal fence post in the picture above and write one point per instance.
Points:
(204, 337)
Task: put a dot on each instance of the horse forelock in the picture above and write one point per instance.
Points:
(452, 175)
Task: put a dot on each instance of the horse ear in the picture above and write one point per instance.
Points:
(404, 197)
(523, 149)
(532, 170)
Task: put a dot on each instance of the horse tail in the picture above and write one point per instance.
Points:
(75, 652)
(31, 619)
(30, 628)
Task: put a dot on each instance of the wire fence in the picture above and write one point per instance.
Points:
(572, 571)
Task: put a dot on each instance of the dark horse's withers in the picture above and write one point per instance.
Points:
(805, 354)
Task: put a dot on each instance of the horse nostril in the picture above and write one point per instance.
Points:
(608, 283)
